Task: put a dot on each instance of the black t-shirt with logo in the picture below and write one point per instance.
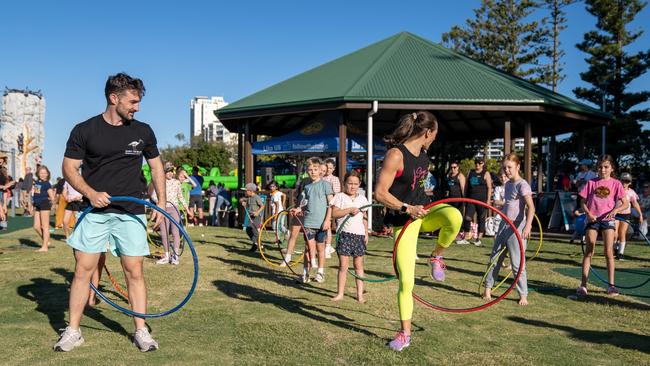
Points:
(112, 158)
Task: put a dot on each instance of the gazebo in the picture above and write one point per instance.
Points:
(371, 88)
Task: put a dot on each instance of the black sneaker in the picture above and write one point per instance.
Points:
(253, 248)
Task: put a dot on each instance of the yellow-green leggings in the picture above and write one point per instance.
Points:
(444, 217)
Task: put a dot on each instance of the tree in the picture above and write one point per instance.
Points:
(611, 71)
(503, 35)
(557, 24)
(204, 154)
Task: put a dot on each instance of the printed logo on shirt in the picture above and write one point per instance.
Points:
(602, 192)
(134, 148)
(419, 177)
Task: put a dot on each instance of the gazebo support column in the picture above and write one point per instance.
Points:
(528, 151)
(540, 164)
(506, 139)
(370, 167)
(343, 138)
(240, 157)
(248, 154)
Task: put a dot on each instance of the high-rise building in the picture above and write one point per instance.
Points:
(495, 147)
(22, 132)
(204, 121)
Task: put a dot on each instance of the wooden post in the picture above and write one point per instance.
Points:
(540, 164)
(528, 151)
(240, 157)
(248, 154)
(343, 146)
(506, 139)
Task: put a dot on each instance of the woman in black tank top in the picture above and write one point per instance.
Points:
(479, 187)
(400, 188)
(455, 184)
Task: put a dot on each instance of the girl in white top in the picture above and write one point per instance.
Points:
(278, 200)
(353, 237)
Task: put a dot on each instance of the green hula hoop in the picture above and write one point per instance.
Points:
(350, 271)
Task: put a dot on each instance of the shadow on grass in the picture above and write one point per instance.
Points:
(624, 340)
(28, 243)
(52, 300)
(293, 306)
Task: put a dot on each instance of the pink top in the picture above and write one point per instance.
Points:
(601, 196)
(631, 197)
(334, 181)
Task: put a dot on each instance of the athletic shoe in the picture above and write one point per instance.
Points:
(143, 340)
(253, 248)
(303, 278)
(477, 242)
(70, 339)
(581, 291)
(163, 260)
(320, 278)
(612, 291)
(174, 260)
(617, 247)
(400, 342)
(462, 242)
(437, 268)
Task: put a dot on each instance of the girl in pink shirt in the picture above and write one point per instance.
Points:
(602, 199)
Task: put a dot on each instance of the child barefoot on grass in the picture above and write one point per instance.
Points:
(353, 237)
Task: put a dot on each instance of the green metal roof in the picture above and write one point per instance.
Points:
(405, 68)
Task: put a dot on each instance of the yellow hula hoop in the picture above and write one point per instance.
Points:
(539, 247)
(261, 248)
(490, 268)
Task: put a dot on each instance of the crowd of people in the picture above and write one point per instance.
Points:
(404, 188)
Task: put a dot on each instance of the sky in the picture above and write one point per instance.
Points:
(181, 50)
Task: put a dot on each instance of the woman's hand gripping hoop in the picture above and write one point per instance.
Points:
(476, 308)
(350, 271)
(187, 239)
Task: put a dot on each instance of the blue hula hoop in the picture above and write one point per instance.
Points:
(185, 236)
(591, 269)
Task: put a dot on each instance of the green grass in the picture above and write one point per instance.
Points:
(245, 312)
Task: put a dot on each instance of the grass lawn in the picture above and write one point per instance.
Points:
(245, 312)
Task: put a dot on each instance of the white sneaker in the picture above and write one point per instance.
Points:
(174, 260)
(477, 242)
(304, 278)
(320, 278)
(462, 242)
(163, 260)
(143, 340)
(70, 339)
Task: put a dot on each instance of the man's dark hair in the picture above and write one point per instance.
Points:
(119, 83)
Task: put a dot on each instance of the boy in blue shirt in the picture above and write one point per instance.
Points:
(314, 203)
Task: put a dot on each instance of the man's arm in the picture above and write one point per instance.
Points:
(158, 179)
(71, 174)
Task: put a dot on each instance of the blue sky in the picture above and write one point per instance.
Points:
(185, 49)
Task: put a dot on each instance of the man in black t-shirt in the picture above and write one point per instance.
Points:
(111, 147)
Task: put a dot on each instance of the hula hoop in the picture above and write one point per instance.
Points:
(636, 231)
(476, 308)
(277, 242)
(350, 271)
(505, 278)
(115, 284)
(189, 243)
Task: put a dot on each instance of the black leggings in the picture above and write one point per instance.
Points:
(481, 213)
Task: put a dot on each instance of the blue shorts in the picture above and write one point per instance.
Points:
(123, 234)
(318, 234)
(601, 225)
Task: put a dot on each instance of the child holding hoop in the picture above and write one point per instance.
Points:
(602, 199)
(353, 237)
(516, 196)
